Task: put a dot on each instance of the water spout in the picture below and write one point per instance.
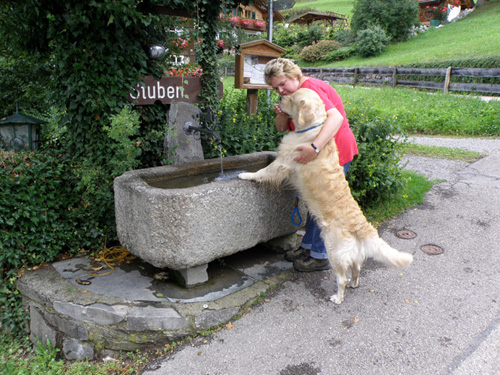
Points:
(210, 121)
(195, 131)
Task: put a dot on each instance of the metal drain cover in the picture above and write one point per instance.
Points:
(432, 249)
(406, 234)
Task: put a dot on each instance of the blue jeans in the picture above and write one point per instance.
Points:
(312, 239)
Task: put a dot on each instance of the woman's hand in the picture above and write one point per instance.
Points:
(278, 110)
(330, 128)
(307, 154)
(281, 121)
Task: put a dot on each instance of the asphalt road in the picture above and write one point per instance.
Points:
(439, 316)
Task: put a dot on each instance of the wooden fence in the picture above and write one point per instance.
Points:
(229, 71)
(403, 77)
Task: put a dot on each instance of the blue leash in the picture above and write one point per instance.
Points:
(296, 212)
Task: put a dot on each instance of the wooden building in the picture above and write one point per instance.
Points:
(253, 17)
(335, 20)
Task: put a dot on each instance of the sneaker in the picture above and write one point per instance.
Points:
(296, 254)
(311, 264)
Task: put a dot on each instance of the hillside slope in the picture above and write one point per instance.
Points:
(477, 35)
(338, 6)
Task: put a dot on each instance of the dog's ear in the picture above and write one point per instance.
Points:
(306, 113)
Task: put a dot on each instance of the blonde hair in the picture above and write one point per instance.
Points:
(281, 67)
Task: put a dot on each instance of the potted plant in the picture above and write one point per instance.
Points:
(437, 14)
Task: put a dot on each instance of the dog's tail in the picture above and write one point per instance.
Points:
(380, 250)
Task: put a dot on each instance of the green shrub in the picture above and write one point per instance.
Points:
(374, 174)
(295, 37)
(339, 54)
(396, 17)
(371, 42)
(242, 133)
(316, 51)
(345, 36)
(39, 218)
(93, 66)
(126, 152)
(288, 37)
(310, 35)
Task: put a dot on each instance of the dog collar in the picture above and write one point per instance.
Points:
(312, 127)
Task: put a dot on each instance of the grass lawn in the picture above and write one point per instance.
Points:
(476, 35)
(437, 152)
(337, 6)
(413, 193)
(420, 112)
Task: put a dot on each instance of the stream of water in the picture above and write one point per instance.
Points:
(221, 164)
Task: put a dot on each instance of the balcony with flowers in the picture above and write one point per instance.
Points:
(247, 24)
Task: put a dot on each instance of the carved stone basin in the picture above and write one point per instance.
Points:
(163, 220)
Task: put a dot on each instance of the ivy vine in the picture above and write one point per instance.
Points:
(97, 51)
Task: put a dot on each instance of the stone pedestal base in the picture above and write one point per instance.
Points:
(194, 275)
(132, 309)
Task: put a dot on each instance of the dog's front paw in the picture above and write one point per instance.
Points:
(246, 175)
(336, 299)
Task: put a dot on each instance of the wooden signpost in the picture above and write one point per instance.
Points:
(167, 90)
(249, 69)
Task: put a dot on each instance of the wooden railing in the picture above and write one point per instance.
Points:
(229, 71)
(403, 77)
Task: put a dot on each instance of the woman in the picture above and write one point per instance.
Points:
(286, 77)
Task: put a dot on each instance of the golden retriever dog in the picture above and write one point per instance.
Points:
(349, 238)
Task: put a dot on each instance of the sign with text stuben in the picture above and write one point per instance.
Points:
(167, 90)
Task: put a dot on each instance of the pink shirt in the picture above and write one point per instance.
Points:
(344, 139)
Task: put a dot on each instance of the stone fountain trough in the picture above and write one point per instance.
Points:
(183, 225)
